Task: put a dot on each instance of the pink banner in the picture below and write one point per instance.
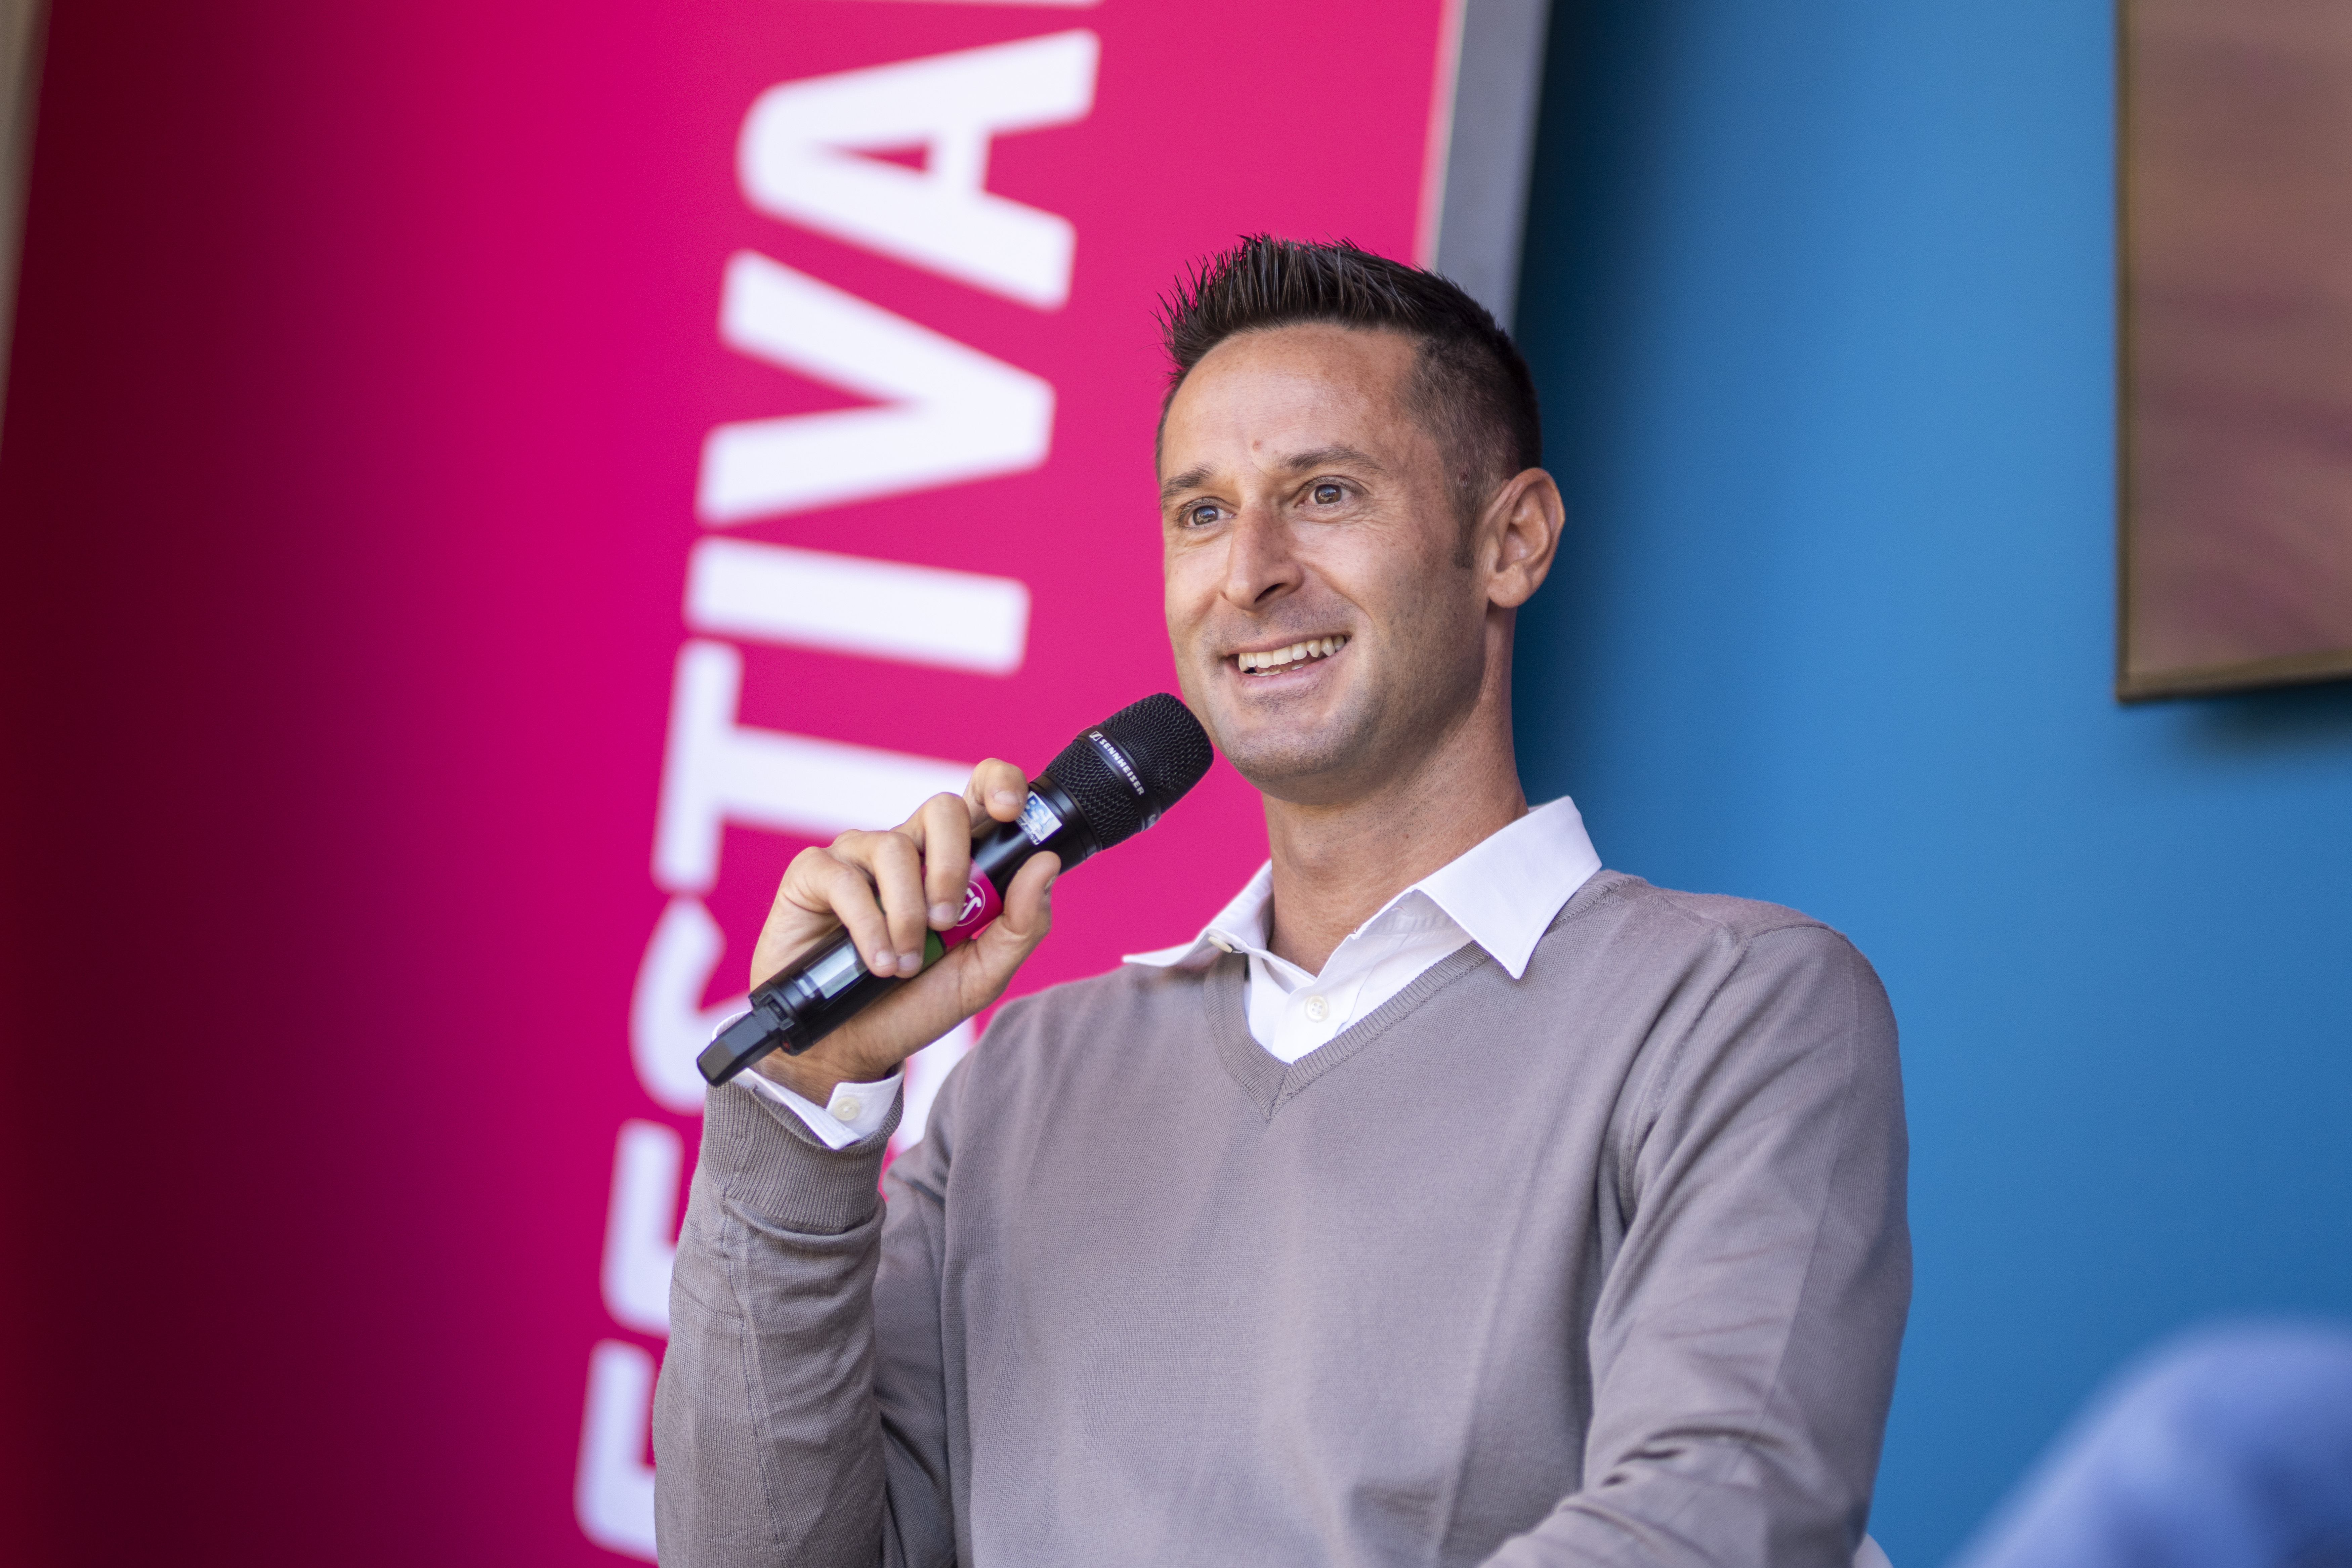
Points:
(922, 528)
(627, 446)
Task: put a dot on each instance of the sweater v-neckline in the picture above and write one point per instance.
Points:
(1269, 1081)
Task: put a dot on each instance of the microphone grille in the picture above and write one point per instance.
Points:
(1125, 772)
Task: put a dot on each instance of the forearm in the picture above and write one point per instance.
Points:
(768, 1448)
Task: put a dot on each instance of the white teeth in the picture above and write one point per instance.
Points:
(1274, 658)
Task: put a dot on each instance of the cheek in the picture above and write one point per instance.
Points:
(1186, 593)
(1425, 606)
(1381, 576)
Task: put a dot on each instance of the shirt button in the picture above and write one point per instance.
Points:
(1318, 1009)
(845, 1106)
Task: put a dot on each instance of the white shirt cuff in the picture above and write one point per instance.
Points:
(855, 1113)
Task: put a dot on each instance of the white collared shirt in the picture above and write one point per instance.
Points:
(1501, 893)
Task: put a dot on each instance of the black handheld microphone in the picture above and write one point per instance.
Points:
(1107, 785)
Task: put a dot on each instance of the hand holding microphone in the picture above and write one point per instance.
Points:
(882, 942)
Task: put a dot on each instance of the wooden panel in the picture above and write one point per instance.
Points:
(2237, 337)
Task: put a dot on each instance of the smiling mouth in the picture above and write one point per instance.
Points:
(1297, 654)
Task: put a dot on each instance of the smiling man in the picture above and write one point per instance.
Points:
(1450, 1200)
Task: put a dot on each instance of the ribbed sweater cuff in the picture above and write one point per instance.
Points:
(762, 1159)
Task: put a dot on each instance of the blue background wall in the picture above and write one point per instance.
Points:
(1820, 296)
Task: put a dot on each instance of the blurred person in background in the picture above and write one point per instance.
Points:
(2230, 1449)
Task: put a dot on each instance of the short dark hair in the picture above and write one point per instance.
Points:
(1470, 387)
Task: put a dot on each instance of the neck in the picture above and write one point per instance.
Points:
(1334, 865)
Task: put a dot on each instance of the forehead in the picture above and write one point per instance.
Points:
(1290, 388)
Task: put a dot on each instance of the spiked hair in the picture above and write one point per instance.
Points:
(1470, 387)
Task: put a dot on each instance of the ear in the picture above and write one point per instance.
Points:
(1519, 535)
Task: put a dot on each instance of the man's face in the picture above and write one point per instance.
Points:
(1301, 503)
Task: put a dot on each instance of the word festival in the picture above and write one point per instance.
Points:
(941, 414)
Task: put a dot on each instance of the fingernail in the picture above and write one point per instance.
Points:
(910, 962)
(943, 915)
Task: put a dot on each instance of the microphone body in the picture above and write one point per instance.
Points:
(1109, 783)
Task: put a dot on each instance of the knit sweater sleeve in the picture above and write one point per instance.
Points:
(772, 1444)
(1743, 1349)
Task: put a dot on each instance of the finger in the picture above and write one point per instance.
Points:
(946, 835)
(995, 793)
(896, 863)
(821, 880)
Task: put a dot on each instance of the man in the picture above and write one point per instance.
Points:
(1450, 1201)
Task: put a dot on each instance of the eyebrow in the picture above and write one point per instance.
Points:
(1322, 456)
(1297, 462)
(1190, 480)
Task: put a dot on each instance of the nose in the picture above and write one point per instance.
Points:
(1260, 567)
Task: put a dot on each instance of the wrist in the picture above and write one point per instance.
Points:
(811, 1080)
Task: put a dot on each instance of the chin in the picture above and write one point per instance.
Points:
(1302, 746)
(1302, 763)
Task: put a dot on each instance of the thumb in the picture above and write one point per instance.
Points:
(1013, 934)
(1028, 903)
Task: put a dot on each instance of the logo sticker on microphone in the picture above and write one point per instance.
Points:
(981, 905)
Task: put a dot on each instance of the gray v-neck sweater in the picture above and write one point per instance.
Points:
(1605, 1265)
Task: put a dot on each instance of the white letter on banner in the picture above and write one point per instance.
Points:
(798, 160)
(716, 772)
(668, 1024)
(641, 1228)
(849, 604)
(613, 1496)
(954, 413)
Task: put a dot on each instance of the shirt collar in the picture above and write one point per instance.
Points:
(1239, 927)
(1503, 892)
